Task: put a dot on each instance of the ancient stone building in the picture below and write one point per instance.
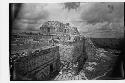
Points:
(63, 31)
(71, 45)
(40, 65)
(51, 27)
(55, 27)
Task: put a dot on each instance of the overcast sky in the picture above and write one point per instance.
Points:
(90, 18)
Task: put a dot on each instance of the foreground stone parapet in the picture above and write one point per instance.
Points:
(38, 66)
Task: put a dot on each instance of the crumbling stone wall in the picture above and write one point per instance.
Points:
(90, 48)
(70, 51)
(39, 65)
(73, 53)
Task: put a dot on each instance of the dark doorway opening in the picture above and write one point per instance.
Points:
(51, 68)
(48, 30)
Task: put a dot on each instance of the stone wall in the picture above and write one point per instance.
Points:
(90, 48)
(39, 65)
(73, 53)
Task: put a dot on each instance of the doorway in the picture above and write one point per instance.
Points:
(51, 68)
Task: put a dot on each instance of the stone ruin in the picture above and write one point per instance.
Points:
(71, 44)
(68, 50)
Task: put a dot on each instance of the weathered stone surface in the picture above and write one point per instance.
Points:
(38, 66)
(63, 31)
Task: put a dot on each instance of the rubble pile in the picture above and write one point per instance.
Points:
(64, 32)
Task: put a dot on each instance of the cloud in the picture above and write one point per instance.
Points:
(38, 13)
(72, 5)
(30, 16)
(101, 19)
(101, 12)
(85, 27)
